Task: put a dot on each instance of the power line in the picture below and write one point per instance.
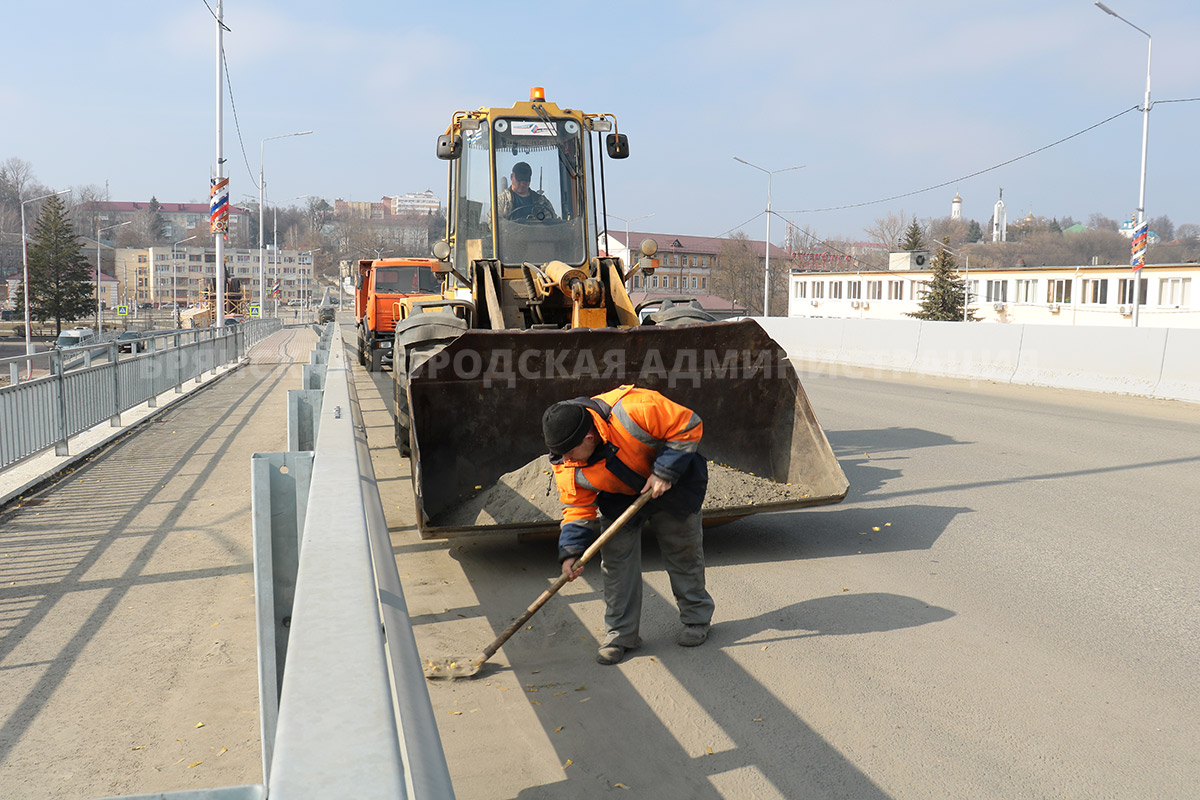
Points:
(236, 124)
(973, 174)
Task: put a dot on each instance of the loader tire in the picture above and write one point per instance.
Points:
(401, 417)
(376, 360)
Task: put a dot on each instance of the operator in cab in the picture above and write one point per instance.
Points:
(605, 451)
(519, 202)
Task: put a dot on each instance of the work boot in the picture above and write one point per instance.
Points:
(610, 654)
(692, 635)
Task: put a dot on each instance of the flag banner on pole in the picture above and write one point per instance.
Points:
(275, 289)
(1141, 235)
(218, 205)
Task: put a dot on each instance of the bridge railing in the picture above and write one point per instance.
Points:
(344, 706)
(75, 389)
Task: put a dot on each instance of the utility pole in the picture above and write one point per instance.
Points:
(219, 196)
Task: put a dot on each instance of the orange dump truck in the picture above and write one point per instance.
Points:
(382, 290)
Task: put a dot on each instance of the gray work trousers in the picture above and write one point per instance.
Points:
(681, 541)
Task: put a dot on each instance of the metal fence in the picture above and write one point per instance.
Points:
(69, 391)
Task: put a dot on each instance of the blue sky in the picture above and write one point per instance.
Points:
(875, 98)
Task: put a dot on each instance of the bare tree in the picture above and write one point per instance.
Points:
(85, 211)
(1164, 228)
(738, 274)
(886, 231)
(1099, 222)
(956, 232)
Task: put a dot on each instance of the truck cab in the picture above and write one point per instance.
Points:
(383, 288)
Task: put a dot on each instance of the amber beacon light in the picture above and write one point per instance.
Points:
(537, 94)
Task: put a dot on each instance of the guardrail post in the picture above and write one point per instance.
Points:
(14, 374)
(148, 367)
(279, 497)
(114, 356)
(304, 416)
(56, 366)
(178, 365)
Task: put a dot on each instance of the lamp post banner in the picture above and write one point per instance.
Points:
(1138, 247)
(218, 205)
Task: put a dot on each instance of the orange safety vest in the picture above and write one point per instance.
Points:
(644, 432)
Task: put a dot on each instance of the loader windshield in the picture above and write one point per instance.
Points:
(540, 191)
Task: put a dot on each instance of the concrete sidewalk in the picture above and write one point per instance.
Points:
(127, 634)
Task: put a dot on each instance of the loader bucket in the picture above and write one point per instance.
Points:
(477, 408)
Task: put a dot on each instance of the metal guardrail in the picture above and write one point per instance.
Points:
(76, 394)
(344, 706)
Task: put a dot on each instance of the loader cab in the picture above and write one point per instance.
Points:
(520, 185)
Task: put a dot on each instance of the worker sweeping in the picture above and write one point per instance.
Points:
(605, 451)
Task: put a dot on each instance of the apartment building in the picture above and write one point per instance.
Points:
(155, 274)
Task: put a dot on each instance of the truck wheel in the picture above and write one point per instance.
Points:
(376, 360)
(362, 349)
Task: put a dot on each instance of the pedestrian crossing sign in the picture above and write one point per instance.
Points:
(255, 311)
(122, 311)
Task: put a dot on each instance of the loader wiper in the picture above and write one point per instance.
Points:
(567, 161)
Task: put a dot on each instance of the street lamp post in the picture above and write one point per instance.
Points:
(262, 302)
(275, 244)
(25, 266)
(767, 249)
(312, 277)
(628, 244)
(1137, 281)
(99, 230)
(174, 285)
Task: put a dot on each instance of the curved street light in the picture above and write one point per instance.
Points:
(767, 248)
(174, 289)
(628, 245)
(1137, 281)
(99, 230)
(261, 187)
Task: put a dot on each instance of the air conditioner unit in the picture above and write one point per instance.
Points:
(998, 306)
(1054, 308)
(854, 304)
(1125, 311)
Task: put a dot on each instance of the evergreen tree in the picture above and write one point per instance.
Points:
(946, 293)
(60, 280)
(914, 237)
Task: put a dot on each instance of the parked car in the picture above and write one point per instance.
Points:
(126, 339)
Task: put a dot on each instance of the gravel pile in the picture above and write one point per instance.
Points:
(529, 494)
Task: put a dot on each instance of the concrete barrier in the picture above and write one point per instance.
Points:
(1095, 359)
(1153, 362)
(880, 343)
(815, 340)
(1180, 366)
(955, 350)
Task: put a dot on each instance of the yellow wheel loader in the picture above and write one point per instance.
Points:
(533, 312)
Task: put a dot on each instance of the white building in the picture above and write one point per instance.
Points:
(425, 202)
(1085, 295)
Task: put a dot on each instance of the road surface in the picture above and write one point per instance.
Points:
(1004, 606)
